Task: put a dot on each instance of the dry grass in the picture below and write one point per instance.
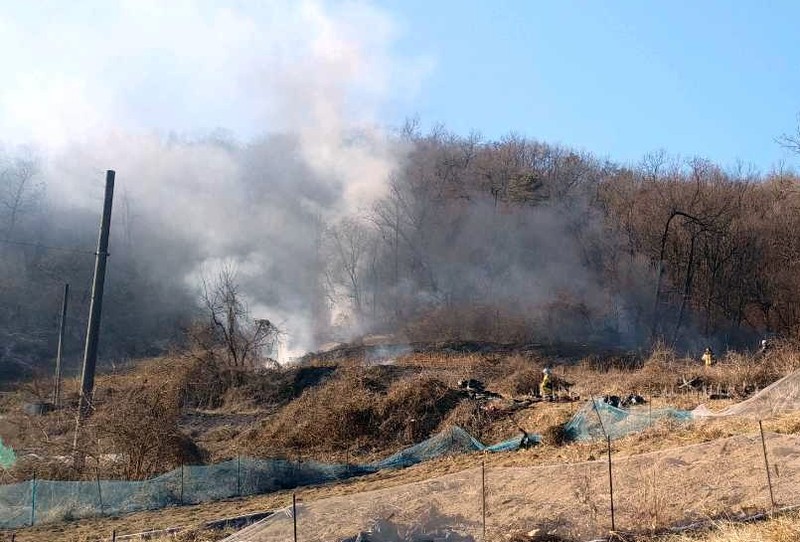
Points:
(663, 373)
(349, 411)
(783, 528)
(356, 412)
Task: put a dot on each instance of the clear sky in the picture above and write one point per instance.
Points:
(617, 78)
(719, 79)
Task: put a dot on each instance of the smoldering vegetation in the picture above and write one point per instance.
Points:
(446, 237)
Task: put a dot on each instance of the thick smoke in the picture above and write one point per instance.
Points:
(298, 87)
(335, 226)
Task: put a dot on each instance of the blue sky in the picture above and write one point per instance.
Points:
(618, 78)
(720, 80)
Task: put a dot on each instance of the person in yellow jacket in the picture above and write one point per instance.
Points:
(546, 388)
(708, 357)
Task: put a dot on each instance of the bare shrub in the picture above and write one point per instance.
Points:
(245, 341)
(415, 408)
(338, 414)
(469, 416)
(205, 382)
(555, 435)
(141, 428)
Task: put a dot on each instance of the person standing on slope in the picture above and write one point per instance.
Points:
(546, 388)
(708, 357)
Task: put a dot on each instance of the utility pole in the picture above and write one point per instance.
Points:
(60, 350)
(95, 307)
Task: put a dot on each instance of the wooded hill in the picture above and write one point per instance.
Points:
(507, 240)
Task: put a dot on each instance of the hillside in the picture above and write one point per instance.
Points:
(356, 410)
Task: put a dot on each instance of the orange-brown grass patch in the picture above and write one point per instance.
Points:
(357, 412)
(413, 409)
(337, 415)
(470, 416)
(520, 375)
(779, 528)
(663, 373)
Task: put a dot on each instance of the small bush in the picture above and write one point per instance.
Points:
(555, 435)
(415, 408)
(352, 412)
(337, 415)
(141, 427)
(469, 416)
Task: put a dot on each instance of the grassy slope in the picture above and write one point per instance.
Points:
(657, 374)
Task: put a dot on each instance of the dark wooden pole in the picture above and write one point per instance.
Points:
(96, 305)
(766, 464)
(93, 329)
(239, 475)
(33, 499)
(60, 349)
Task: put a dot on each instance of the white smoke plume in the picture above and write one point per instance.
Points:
(235, 128)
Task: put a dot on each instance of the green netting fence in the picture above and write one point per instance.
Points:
(7, 456)
(42, 501)
(597, 419)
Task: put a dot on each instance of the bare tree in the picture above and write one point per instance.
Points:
(792, 141)
(244, 339)
(19, 189)
(349, 243)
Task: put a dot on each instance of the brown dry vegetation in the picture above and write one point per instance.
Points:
(199, 411)
(188, 409)
(781, 528)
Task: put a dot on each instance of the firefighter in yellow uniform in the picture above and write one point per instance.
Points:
(546, 389)
(708, 357)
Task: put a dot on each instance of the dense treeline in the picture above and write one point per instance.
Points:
(500, 240)
(519, 239)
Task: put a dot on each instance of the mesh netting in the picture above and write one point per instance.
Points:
(444, 508)
(44, 501)
(15, 507)
(778, 398)
(7, 457)
(723, 478)
(453, 440)
(597, 419)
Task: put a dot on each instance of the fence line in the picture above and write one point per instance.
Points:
(697, 485)
(40, 501)
(697, 481)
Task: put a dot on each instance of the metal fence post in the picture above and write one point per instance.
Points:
(239, 475)
(33, 499)
(294, 515)
(483, 497)
(114, 535)
(766, 464)
(99, 491)
(610, 484)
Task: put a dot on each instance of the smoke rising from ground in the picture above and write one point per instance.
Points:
(336, 226)
(298, 88)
